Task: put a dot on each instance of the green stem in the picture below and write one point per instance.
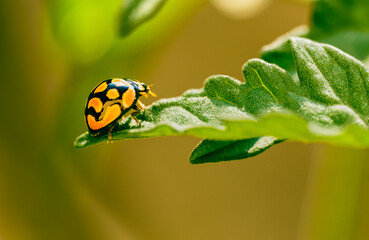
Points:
(335, 190)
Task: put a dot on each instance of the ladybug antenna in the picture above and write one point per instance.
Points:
(152, 94)
(149, 91)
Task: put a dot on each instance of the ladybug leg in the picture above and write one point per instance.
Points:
(138, 107)
(111, 129)
(109, 134)
(134, 117)
(133, 114)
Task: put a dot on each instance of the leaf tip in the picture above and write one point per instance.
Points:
(195, 158)
(254, 62)
(81, 141)
(134, 13)
(296, 42)
(124, 31)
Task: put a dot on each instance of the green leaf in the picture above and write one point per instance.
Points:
(135, 12)
(331, 16)
(341, 23)
(279, 51)
(216, 151)
(351, 37)
(328, 104)
(355, 43)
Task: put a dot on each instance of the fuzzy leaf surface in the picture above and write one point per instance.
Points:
(341, 23)
(329, 103)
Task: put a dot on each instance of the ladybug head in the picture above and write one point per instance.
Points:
(145, 90)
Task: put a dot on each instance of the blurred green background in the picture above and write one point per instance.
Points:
(54, 52)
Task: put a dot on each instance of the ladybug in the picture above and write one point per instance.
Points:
(110, 100)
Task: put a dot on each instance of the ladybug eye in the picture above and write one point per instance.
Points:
(141, 86)
(144, 86)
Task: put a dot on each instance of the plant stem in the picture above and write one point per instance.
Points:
(335, 190)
